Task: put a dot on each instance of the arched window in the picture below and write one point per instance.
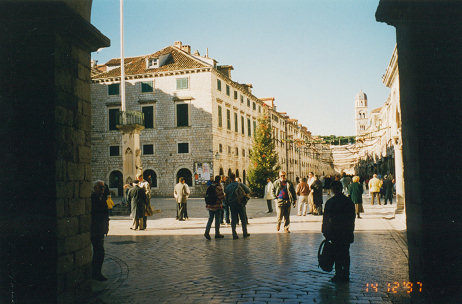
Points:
(116, 181)
(186, 174)
(229, 172)
(237, 172)
(151, 177)
(221, 172)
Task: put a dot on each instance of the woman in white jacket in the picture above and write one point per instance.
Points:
(268, 196)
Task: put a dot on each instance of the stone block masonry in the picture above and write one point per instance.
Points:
(45, 249)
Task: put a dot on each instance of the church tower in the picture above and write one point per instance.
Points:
(361, 113)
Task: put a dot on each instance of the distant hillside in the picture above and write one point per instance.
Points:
(336, 140)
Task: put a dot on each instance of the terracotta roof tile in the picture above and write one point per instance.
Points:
(179, 60)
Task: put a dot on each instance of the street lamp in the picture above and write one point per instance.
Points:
(217, 155)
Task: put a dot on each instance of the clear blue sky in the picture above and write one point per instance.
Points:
(312, 56)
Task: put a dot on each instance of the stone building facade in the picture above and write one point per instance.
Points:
(198, 121)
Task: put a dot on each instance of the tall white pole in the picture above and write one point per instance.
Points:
(122, 61)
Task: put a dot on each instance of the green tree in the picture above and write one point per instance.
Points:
(264, 158)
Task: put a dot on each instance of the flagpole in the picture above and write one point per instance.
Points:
(122, 61)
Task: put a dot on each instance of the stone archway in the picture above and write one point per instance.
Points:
(116, 181)
(186, 174)
(150, 176)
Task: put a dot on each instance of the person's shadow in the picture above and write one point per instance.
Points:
(334, 293)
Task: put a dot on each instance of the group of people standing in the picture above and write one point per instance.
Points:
(227, 194)
(138, 196)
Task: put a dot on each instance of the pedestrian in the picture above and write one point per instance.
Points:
(234, 193)
(356, 194)
(99, 228)
(346, 181)
(137, 199)
(245, 199)
(214, 204)
(302, 191)
(327, 182)
(388, 187)
(268, 195)
(310, 182)
(147, 189)
(337, 227)
(374, 189)
(316, 191)
(224, 183)
(284, 192)
(125, 201)
(181, 193)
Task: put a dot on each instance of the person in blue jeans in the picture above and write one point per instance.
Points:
(214, 204)
(236, 207)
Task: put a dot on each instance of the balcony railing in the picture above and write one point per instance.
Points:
(131, 118)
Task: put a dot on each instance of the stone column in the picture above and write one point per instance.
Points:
(131, 151)
(399, 176)
(45, 250)
(429, 45)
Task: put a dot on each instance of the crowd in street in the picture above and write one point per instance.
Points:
(226, 199)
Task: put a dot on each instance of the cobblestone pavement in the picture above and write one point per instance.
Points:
(172, 262)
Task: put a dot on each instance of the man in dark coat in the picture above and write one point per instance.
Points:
(338, 225)
(236, 207)
(99, 227)
(137, 199)
(316, 189)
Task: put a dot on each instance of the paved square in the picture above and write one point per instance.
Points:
(172, 262)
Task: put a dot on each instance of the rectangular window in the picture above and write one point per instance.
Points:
(227, 90)
(114, 151)
(242, 99)
(249, 127)
(228, 119)
(236, 128)
(113, 89)
(254, 127)
(259, 109)
(229, 149)
(254, 106)
(220, 148)
(113, 118)
(220, 117)
(242, 125)
(181, 83)
(243, 152)
(147, 86)
(148, 117)
(148, 149)
(182, 115)
(218, 84)
(183, 147)
(237, 151)
(248, 102)
(235, 94)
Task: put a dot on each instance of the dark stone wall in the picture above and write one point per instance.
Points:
(429, 42)
(45, 250)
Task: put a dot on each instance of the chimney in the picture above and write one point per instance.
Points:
(186, 48)
(177, 44)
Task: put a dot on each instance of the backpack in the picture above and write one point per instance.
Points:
(241, 195)
(211, 195)
(326, 256)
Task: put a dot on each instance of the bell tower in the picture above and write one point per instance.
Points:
(361, 113)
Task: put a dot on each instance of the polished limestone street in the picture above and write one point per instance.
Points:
(172, 262)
